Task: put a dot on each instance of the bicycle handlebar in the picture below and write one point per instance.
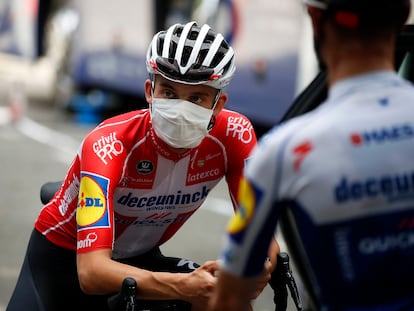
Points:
(125, 300)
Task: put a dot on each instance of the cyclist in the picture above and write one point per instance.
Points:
(136, 179)
(344, 170)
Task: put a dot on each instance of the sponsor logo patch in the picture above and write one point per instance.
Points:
(387, 243)
(383, 135)
(393, 187)
(169, 201)
(88, 241)
(301, 152)
(145, 167)
(240, 128)
(108, 147)
(70, 194)
(92, 208)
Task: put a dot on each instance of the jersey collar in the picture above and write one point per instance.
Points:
(352, 84)
(164, 150)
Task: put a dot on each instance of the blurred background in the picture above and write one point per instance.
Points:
(66, 65)
(87, 57)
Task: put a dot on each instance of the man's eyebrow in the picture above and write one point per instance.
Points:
(167, 85)
(200, 93)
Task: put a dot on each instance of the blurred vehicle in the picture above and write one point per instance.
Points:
(265, 34)
(34, 41)
(88, 56)
(76, 53)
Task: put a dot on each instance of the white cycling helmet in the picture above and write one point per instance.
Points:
(192, 55)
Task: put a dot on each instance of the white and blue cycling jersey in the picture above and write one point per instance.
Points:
(346, 169)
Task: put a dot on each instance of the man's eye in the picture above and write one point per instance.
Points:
(168, 94)
(196, 99)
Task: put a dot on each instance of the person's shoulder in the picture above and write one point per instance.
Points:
(131, 116)
(122, 125)
(287, 131)
(232, 116)
(232, 121)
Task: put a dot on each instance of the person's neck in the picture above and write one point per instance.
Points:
(347, 67)
(347, 59)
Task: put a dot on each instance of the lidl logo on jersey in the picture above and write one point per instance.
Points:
(247, 203)
(382, 135)
(92, 208)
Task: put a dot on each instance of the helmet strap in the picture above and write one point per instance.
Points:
(152, 90)
(152, 79)
(216, 98)
(213, 117)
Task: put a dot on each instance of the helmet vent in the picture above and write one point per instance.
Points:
(186, 55)
(219, 55)
(172, 49)
(201, 56)
(192, 35)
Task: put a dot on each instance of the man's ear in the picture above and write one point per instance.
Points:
(220, 103)
(148, 93)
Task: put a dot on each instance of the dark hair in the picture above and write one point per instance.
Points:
(366, 15)
(373, 16)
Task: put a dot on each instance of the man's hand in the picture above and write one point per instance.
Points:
(263, 280)
(198, 286)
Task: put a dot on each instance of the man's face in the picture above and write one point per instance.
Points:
(177, 134)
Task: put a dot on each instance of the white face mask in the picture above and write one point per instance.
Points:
(179, 123)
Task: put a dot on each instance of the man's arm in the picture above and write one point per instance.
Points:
(99, 274)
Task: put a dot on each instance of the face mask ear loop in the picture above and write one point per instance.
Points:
(213, 118)
(216, 100)
(152, 90)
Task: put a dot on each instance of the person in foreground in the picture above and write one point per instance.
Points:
(137, 178)
(345, 170)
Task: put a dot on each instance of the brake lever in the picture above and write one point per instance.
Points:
(283, 260)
